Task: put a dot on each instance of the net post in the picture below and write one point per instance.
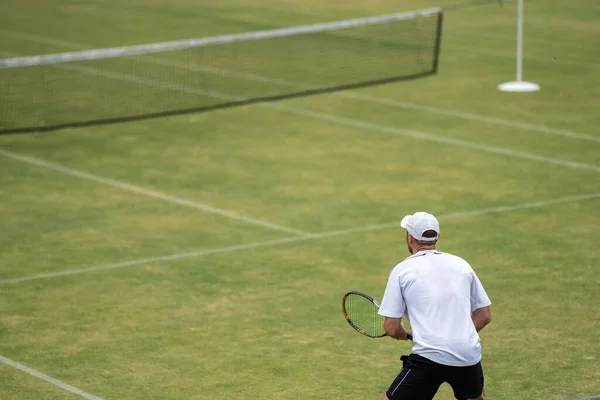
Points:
(519, 85)
(438, 41)
(520, 42)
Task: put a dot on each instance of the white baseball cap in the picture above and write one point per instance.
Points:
(420, 222)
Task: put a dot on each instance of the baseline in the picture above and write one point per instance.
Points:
(48, 379)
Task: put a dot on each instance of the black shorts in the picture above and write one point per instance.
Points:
(421, 378)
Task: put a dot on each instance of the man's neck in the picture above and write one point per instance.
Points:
(423, 248)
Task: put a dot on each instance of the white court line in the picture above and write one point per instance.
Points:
(474, 117)
(434, 138)
(366, 228)
(382, 100)
(157, 259)
(146, 192)
(350, 94)
(528, 57)
(338, 120)
(48, 379)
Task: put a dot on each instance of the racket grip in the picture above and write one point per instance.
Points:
(409, 336)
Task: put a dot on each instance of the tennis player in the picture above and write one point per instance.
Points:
(446, 306)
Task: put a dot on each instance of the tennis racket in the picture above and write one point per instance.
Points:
(360, 311)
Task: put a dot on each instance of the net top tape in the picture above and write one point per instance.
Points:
(113, 52)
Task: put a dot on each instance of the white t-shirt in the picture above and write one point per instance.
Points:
(437, 292)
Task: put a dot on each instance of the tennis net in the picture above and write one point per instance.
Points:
(120, 84)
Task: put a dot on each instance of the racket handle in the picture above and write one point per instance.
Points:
(409, 336)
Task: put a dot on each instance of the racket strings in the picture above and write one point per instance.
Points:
(363, 314)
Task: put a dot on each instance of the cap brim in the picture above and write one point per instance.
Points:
(404, 221)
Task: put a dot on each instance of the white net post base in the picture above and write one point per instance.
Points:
(518, 86)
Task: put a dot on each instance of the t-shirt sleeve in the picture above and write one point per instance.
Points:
(393, 305)
(479, 297)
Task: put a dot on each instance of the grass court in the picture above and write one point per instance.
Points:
(204, 256)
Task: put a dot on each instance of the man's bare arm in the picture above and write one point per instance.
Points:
(481, 317)
(394, 328)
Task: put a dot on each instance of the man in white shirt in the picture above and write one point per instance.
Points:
(447, 306)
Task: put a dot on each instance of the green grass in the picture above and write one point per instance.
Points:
(264, 322)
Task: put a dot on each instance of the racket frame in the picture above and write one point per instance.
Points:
(349, 320)
(409, 335)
